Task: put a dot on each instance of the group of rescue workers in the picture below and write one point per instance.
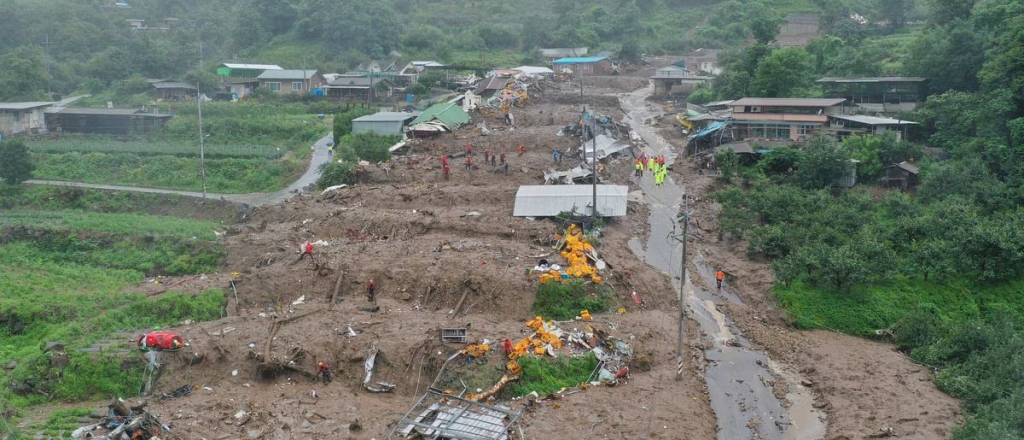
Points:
(656, 164)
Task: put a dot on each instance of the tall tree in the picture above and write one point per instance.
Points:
(24, 74)
(785, 73)
(945, 11)
(895, 11)
(954, 49)
(15, 162)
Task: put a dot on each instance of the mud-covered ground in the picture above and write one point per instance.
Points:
(431, 244)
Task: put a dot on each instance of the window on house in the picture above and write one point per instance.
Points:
(297, 86)
(274, 86)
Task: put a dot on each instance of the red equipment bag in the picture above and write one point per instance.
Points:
(160, 341)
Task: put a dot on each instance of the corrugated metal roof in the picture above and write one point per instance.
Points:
(873, 120)
(106, 112)
(447, 112)
(252, 66)
(564, 52)
(385, 117)
(913, 169)
(354, 82)
(718, 103)
(788, 102)
(23, 105)
(874, 79)
(288, 74)
(173, 85)
(492, 83)
(578, 60)
(550, 200)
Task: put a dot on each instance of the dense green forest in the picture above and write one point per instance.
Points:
(938, 270)
(64, 46)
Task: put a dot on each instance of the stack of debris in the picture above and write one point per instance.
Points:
(578, 252)
(513, 95)
(124, 421)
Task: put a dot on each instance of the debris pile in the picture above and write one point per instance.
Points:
(133, 422)
(578, 252)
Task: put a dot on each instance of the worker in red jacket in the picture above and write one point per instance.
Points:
(371, 290)
(323, 371)
(307, 250)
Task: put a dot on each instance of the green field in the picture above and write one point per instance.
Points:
(101, 144)
(63, 275)
(132, 224)
(248, 147)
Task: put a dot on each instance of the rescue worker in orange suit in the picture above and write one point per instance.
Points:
(323, 371)
(507, 347)
(719, 277)
(522, 150)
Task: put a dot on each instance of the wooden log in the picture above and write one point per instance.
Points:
(505, 380)
(337, 287)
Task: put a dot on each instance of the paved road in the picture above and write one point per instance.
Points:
(255, 199)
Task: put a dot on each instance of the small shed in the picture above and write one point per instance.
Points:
(587, 65)
(18, 117)
(902, 175)
(388, 123)
(551, 200)
(174, 91)
(117, 121)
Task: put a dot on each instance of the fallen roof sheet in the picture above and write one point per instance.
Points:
(556, 177)
(550, 200)
(534, 70)
(740, 147)
(447, 112)
(873, 120)
(434, 126)
(605, 146)
(440, 416)
(713, 127)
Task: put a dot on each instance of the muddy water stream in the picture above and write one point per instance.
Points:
(739, 378)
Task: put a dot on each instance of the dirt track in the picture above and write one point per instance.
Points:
(390, 228)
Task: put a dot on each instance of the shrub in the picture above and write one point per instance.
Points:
(372, 147)
(565, 300)
(336, 173)
(546, 376)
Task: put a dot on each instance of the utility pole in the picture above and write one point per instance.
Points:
(49, 66)
(199, 104)
(593, 166)
(682, 285)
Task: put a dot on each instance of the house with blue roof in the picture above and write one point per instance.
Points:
(599, 65)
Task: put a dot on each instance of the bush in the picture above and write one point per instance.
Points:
(564, 300)
(546, 376)
(371, 147)
(336, 173)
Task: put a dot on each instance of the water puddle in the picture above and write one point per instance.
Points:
(739, 380)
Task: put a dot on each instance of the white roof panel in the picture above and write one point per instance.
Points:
(252, 66)
(550, 200)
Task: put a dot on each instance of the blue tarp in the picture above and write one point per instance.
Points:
(715, 126)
